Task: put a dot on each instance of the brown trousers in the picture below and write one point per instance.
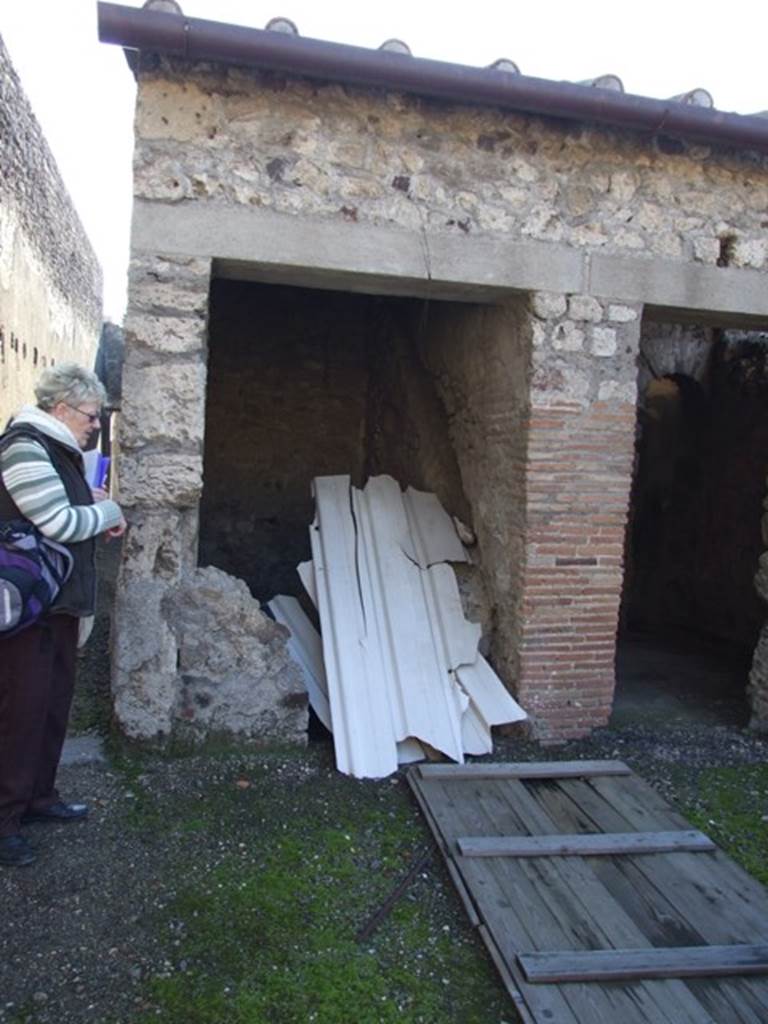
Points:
(37, 678)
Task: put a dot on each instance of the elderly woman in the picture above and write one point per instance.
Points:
(41, 479)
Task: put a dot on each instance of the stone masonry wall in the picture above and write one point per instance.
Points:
(160, 477)
(50, 280)
(193, 654)
(241, 138)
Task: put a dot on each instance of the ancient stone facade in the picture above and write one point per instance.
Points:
(530, 250)
(50, 280)
(232, 136)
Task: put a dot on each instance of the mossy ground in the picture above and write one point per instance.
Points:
(731, 805)
(264, 933)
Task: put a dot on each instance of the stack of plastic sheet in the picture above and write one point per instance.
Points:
(398, 664)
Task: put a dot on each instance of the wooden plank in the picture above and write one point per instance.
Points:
(593, 916)
(531, 770)
(458, 881)
(552, 898)
(507, 976)
(712, 890)
(675, 899)
(600, 844)
(511, 936)
(634, 964)
(574, 902)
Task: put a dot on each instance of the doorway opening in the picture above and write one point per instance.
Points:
(690, 615)
(304, 382)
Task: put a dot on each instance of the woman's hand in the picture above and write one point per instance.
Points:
(117, 531)
(99, 494)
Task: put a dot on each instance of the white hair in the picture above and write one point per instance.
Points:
(70, 383)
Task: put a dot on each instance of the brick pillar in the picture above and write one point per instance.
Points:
(579, 464)
(160, 465)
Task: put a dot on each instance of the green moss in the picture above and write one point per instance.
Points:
(731, 806)
(266, 933)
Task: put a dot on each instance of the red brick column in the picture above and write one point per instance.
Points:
(579, 464)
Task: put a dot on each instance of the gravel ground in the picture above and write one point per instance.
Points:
(84, 928)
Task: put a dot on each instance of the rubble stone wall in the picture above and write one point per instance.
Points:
(193, 654)
(238, 137)
(50, 280)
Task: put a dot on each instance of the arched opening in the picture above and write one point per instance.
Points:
(690, 615)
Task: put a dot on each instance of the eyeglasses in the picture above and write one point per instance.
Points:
(93, 417)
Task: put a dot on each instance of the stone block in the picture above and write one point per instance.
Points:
(567, 337)
(750, 252)
(554, 380)
(538, 334)
(617, 390)
(163, 404)
(157, 478)
(182, 111)
(236, 676)
(622, 314)
(160, 545)
(585, 307)
(706, 250)
(168, 284)
(603, 341)
(144, 661)
(167, 335)
(623, 186)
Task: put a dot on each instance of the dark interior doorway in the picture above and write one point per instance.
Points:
(690, 615)
(305, 383)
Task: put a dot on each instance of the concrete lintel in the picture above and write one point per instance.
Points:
(714, 292)
(261, 245)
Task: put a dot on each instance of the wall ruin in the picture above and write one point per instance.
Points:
(50, 280)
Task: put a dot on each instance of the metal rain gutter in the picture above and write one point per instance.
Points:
(199, 39)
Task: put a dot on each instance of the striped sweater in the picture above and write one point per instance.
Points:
(37, 490)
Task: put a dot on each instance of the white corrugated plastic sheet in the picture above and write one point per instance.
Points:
(400, 662)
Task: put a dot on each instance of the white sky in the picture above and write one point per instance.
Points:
(82, 91)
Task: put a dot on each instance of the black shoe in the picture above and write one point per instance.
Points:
(15, 851)
(59, 812)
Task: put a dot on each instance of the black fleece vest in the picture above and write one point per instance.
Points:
(78, 595)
